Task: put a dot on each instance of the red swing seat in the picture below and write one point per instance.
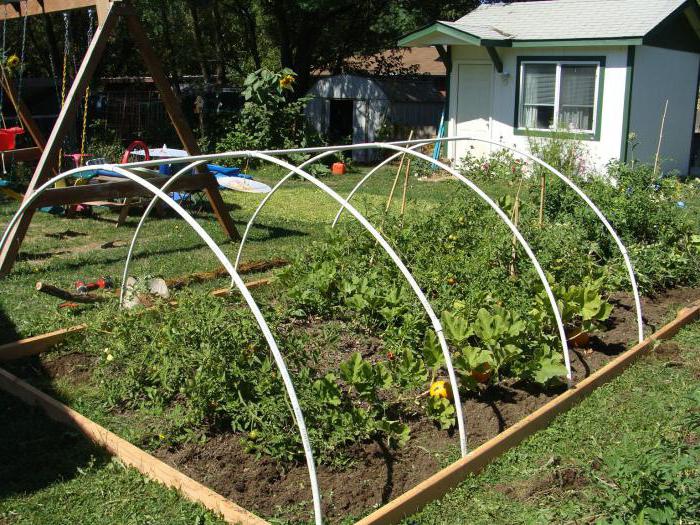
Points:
(8, 138)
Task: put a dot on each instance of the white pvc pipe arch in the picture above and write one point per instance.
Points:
(620, 245)
(435, 322)
(236, 279)
(484, 197)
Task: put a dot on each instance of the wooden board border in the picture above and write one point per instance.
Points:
(128, 453)
(408, 503)
(441, 482)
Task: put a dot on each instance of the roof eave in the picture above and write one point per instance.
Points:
(580, 42)
(439, 33)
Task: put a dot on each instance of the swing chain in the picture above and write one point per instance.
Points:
(91, 18)
(22, 56)
(64, 79)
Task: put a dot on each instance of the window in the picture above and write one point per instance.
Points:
(558, 95)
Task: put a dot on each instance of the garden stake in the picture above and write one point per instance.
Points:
(516, 219)
(396, 179)
(405, 186)
(543, 184)
(661, 135)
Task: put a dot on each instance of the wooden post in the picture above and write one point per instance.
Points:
(396, 179)
(63, 123)
(543, 187)
(405, 186)
(661, 136)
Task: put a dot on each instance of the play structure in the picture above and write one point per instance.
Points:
(49, 152)
(191, 163)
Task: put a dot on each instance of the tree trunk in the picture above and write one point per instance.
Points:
(199, 41)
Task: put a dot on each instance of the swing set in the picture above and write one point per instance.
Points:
(50, 152)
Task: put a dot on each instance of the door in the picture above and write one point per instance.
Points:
(473, 107)
(340, 124)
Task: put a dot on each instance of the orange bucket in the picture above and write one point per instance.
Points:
(338, 168)
(8, 138)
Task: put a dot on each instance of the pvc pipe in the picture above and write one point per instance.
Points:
(279, 360)
(620, 245)
(387, 248)
(623, 250)
(504, 218)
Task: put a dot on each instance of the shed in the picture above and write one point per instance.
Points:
(600, 71)
(359, 108)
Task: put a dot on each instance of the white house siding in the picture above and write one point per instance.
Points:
(503, 96)
(662, 74)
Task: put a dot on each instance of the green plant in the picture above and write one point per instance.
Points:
(270, 118)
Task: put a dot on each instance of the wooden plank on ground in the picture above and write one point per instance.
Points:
(440, 483)
(128, 453)
(37, 344)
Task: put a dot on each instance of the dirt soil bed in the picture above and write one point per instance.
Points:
(378, 475)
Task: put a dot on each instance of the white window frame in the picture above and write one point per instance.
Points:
(557, 92)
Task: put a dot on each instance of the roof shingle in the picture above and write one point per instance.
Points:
(566, 19)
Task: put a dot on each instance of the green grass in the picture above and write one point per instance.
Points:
(51, 475)
(297, 214)
(619, 422)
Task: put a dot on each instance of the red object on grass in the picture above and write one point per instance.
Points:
(338, 168)
(103, 283)
(8, 138)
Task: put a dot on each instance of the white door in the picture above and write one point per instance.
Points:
(473, 115)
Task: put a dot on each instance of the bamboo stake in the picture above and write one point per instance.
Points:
(543, 184)
(661, 135)
(405, 186)
(396, 179)
(515, 219)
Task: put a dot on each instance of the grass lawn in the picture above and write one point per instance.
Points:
(60, 251)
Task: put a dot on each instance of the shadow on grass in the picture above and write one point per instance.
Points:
(8, 332)
(36, 452)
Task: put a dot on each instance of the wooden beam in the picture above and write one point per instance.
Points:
(114, 190)
(129, 454)
(495, 58)
(37, 344)
(38, 7)
(177, 117)
(23, 154)
(8, 85)
(440, 483)
(65, 120)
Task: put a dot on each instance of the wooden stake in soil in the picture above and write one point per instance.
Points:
(396, 179)
(515, 219)
(405, 186)
(661, 135)
(543, 184)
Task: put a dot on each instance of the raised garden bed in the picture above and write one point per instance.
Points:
(376, 474)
